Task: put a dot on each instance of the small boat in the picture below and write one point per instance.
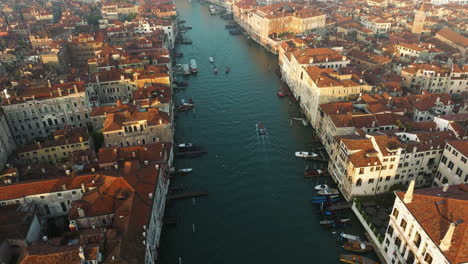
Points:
(356, 259)
(185, 107)
(313, 172)
(328, 192)
(227, 70)
(357, 246)
(324, 200)
(211, 59)
(350, 237)
(324, 197)
(281, 94)
(193, 66)
(215, 70)
(185, 145)
(334, 221)
(186, 69)
(304, 154)
(321, 187)
(261, 128)
(183, 171)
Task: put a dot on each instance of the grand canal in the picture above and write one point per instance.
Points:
(257, 210)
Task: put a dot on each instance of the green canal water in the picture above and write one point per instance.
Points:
(257, 210)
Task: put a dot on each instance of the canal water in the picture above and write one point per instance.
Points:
(257, 210)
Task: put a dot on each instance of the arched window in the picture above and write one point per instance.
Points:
(359, 182)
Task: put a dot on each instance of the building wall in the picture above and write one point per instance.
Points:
(39, 118)
(453, 167)
(53, 155)
(399, 242)
(7, 141)
(149, 134)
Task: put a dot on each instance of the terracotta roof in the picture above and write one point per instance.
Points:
(453, 37)
(116, 121)
(436, 218)
(460, 145)
(149, 152)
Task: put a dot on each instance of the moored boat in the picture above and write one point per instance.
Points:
(357, 246)
(261, 128)
(211, 59)
(186, 69)
(351, 237)
(334, 221)
(185, 145)
(328, 192)
(185, 107)
(193, 66)
(321, 187)
(182, 171)
(305, 154)
(317, 201)
(356, 259)
(323, 197)
(281, 94)
(314, 172)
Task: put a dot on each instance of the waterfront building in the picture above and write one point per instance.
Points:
(116, 10)
(7, 140)
(57, 151)
(267, 24)
(106, 87)
(453, 167)
(313, 86)
(428, 226)
(131, 127)
(37, 112)
(365, 165)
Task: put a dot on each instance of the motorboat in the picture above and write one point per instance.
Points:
(321, 187)
(281, 94)
(261, 128)
(183, 171)
(305, 154)
(357, 246)
(324, 200)
(185, 145)
(356, 259)
(324, 197)
(211, 59)
(186, 69)
(328, 192)
(314, 172)
(350, 237)
(185, 107)
(193, 66)
(334, 221)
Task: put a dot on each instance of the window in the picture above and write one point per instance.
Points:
(47, 209)
(42, 197)
(390, 230)
(444, 159)
(59, 194)
(73, 192)
(395, 213)
(371, 181)
(459, 172)
(387, 178)
(428, 258)
(64, 208)
(359, 182)
(104, 222)
(417, 239)
(450, 165)
(397, 176)
(403, 224)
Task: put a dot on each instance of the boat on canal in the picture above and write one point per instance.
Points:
(356, 259)
(183, 171)
(314, 172)
(350, 237)
(211, 59)
(261, 128)
(357, 246)
(281, 94)
(328, 192)
(186, 69)
(334, 221)
(185, 145)
(185, 107)
(193, 66)
(318, 201)
(321, 187)
(320, 197)
(306, 155)
(191, 151)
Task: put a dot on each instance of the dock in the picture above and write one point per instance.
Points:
(187, 195)
(340, 206)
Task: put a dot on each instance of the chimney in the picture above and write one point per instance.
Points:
(48, 83)
(409, 193)
(75, 88)
(146, 162)
(83, 188)
(81, 139)
(81, 212)
(150, 195)
(116, 166)
(43, 170)
(93, 170)
(133, 154)
(446, 242)
(67, 172)
(39, 145)
(438, 99)
(59, 91)
(445, 189)
(64, 187)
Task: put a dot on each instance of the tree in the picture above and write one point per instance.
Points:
(94, 20)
